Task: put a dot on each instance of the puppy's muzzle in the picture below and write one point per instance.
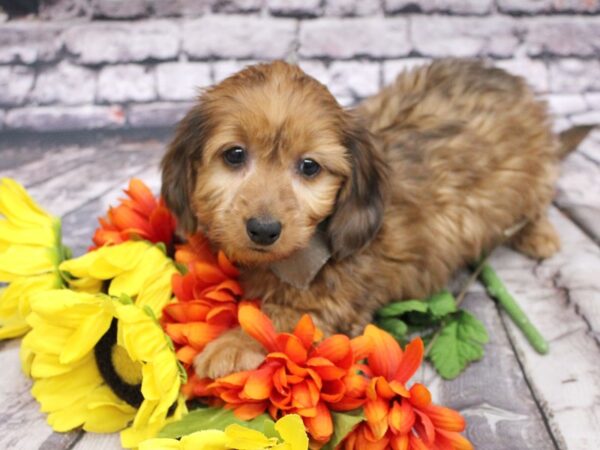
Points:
(263, 231)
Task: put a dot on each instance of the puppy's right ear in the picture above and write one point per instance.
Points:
(179, 167)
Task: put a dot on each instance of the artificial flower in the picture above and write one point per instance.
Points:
(290, 428)
(137, 269)
(206, 298)
(139, 216)
(397, 417)
(102, 364)
(298, 376)
(30, 251)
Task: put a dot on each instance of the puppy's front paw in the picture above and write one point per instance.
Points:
(231, 352)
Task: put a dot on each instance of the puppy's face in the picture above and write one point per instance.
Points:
(260, 163)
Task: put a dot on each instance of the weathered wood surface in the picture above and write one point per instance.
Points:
(512, 399)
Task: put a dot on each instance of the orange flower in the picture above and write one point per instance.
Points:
(397, 417)
(298, 376)
(205, 304)
(141, 215)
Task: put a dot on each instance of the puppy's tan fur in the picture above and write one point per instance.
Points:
(417, 181)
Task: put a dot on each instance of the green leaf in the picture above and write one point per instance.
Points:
(343, 424)
(459, 343)
(442, 304)
(399, 308)
(215, 419)
(395, 327)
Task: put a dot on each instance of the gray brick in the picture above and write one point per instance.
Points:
(2, 114)
(112, 42)
(440, 36)
(546, 6)
(428, 6)
(351, 8)
(181, 81)
(310, 8)
(346, 38)
(156, 114)
(534, 72)
(28, 42)
(124, 83)
(566, 104)
(65, 83)
(53, 118)
(64, 9)
(119, 9)
(391, 69)
(347, 80)
(238, 37)
(15, 84)
(232, 6)
(563, 36)
(223, 69)
(592, 99)
(574, 75)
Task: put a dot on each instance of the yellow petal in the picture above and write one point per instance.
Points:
(160, 444)
(26, 260)
(86, 336)
(26, 356)
(242, 438)
(12, 327)
(18, 207)
(106, 413)
(205, 440)
(131, 282)
(38, 236)
(156, 292)
(292, 431)
(89, 285)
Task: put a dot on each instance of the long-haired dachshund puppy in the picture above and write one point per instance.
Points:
(335, 212)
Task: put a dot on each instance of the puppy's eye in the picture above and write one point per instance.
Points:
(235, 156)
(309, 167)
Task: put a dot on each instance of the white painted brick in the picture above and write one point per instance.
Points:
(428, 6)
(113, 42)
(65, 83)
(29, 41)
(119, 9)
(52, 118)
(546, 6)
(310, 8)
(592, 99)
(351, 8)
(442, 36)
(238, 37)
(157, 114)
(346, 38)
(563, 36)
(15, 84)
(586, 118)
(223, 69)
(535, 72)
(181, 81)
(64, 9)
(574, 75)
(391, 69)
(561, 124)
(124, 83)
(565, 104)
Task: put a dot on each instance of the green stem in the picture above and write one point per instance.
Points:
(497, 290)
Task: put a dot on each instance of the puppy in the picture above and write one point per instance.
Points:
(381, 202)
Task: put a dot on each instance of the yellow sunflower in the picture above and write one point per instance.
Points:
(138, 269)
(236, 437)
(101, 364)
(30, 252)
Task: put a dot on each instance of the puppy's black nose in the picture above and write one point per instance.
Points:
(263, 231)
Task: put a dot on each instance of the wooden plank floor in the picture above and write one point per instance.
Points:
(512, 399)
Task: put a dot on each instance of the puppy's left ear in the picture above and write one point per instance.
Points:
(358, 212)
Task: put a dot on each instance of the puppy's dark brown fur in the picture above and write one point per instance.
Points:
(416, 182)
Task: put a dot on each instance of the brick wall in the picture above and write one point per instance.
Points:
(80, 64)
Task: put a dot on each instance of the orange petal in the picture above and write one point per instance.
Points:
(401, 417)
(250, 411)
(386, 355)
(303, 396)
(366, 440)
(326, 369)
(186, 354)
(420, 395)
(162, 223)
(258, 325)
(424, 428)
(376, 410)
(199, 334)
(361, 347)
(399, 442)
(320, 427)
(399, 388)
(445, 418)
(305, 331)
(142, 196)
(333, 391)
(413, 356)
(417, 443)
(208, 273)
(454, 440)
(226, 265)
(259, 384)
(293, 347)
(336, 349)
